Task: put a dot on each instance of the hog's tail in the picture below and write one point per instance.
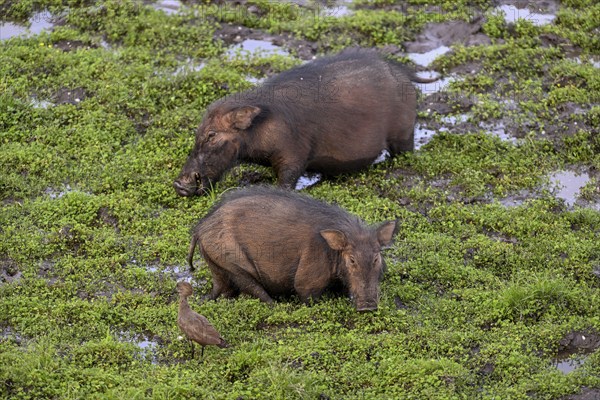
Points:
(190, 257)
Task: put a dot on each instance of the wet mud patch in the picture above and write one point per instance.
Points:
(147, 343)
(444, 103)
(108, 291)
(47, 271)
(242, 38)
(175, 272)
(74, 45)
(9, 334)
(574, 348)
(436, 39)
(585, 394)
(519, 198)
(9, 271)
(106, 217)
(567, 120)
(69, 96)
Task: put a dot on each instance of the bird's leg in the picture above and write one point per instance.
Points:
(192, 347)
(202, 353)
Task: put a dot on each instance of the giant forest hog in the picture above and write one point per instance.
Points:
(332, 115)
(269, 242)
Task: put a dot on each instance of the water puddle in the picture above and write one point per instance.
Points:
(434, 87)
(512, 13)
(148, 344)
(56, 194)
(574, 349)
(384, 155)
(35, 103)
(499, 131)
(189, 67)
(570, 359)
(257, 46)
(254, 80)
(567, 185)
(307, 180)
(455, 119)
(569, 364)
(518, 198)
(427, 58)
(594, 60)
(37, 23)
(167, 6)
(176, 272)
(423, 136)
(337, 10)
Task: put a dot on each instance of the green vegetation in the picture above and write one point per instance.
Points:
(97, 118)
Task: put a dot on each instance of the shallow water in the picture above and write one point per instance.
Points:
(512, 14)
(190, 66)
(146, 344)
(422, 136)
(337, 10)
(54, 193)
(37, 23)
(567, 185)
(176, 272)
(569, 364)
(307, 180)
(517, 199)
(254, 80)
(427, 58)
(384, 155)
(434, 87)
(499, 130)
(254, 45)
(453, 119)
(167, 6)
(41, 103)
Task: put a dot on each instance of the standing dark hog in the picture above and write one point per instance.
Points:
(269, 242)
(332, 115)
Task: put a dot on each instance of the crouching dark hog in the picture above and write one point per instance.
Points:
(332, 115)
(269, 242)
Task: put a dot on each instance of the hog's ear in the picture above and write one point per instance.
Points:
(242, 117)
(386, 232)
(334, 238)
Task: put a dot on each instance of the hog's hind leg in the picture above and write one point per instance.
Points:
(222, 284)
(248, 284)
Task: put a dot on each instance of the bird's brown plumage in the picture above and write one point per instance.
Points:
(195, 326)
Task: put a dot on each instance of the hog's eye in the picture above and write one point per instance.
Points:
(376, 259)
(352, 260)
(210, 135)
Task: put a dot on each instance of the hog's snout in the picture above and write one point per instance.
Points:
(366, 307)
(184, 190)
(366, 303)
